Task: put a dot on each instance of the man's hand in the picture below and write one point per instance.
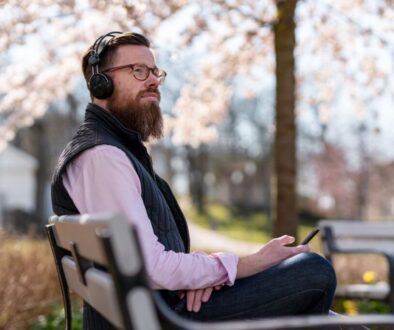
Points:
(269, 255)
(195, 298)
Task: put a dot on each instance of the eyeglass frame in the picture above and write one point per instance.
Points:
(161, 74)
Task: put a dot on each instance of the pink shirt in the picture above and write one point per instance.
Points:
(102, 179)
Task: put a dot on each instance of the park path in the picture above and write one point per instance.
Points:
(211, 241)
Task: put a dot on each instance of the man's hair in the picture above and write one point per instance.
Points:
(107, 54)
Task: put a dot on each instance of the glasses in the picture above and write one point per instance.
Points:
(141, 71)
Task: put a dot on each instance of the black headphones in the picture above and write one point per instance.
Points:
(100, 84)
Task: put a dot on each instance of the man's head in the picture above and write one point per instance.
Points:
(126, 60)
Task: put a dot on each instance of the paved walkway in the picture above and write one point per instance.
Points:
(210, 241)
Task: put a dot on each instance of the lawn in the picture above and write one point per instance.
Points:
(253, 227)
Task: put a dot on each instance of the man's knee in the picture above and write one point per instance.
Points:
(319, 268)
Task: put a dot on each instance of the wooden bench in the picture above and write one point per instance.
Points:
(356, 237)
(99, 258)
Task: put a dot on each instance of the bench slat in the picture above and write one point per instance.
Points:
(85, 232)
(99, 290)
(84, 235)
(142, 309)
(364, 245)
(360, 229)
(378, 291)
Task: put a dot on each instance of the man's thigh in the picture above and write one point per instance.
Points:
(303, 284)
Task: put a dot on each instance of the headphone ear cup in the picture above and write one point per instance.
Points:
(101, 85)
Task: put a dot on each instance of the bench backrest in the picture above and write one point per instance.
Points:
(346, 235)
(116, 286)
(360, 229)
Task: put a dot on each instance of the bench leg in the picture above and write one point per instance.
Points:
(391, 300)
(58, 255)
(390, 260)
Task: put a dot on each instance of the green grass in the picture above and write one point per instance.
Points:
(355, 307)
(225, 221)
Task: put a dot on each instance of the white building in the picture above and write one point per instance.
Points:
(17, 180)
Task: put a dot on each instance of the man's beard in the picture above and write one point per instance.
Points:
(145, 118)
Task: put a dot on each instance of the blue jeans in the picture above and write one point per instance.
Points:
(303, 284)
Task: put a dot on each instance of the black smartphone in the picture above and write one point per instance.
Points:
(310, 236)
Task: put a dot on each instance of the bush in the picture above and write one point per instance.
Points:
(55, 320)
(28, 280)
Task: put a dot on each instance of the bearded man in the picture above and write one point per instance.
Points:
(106, 168)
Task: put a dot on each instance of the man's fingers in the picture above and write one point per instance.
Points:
(293, 250)
(206, 294)
(302, 248)
(190, 299)
(194, 298)
(197, 300)
(285, 239)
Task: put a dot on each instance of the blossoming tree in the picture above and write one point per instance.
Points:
(317, 50)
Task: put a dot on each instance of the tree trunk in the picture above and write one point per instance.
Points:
(197, 169)
(285, 177)
(41, 174)
(363, 177)
(72, 117)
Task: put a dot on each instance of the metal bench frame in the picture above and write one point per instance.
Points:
(99, 258)
(357, 237)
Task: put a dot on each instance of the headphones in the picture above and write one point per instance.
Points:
(100, 84)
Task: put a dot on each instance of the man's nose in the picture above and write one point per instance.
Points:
(152, 80)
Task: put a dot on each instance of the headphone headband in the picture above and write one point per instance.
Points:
(94, 58)
(101, 41)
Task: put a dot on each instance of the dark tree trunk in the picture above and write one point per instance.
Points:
(363, 177)
(285, 177)
(197, 168)
(41, 174)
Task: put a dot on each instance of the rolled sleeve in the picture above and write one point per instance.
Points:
(229, 262)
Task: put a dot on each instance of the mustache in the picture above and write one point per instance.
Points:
(150, 90)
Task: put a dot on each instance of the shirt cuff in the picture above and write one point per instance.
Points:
(230, 262)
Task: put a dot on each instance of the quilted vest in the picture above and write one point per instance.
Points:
(101, 127)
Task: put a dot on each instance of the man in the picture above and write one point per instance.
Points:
(106, 168)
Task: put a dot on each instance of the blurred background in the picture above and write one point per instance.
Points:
(277, 114)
